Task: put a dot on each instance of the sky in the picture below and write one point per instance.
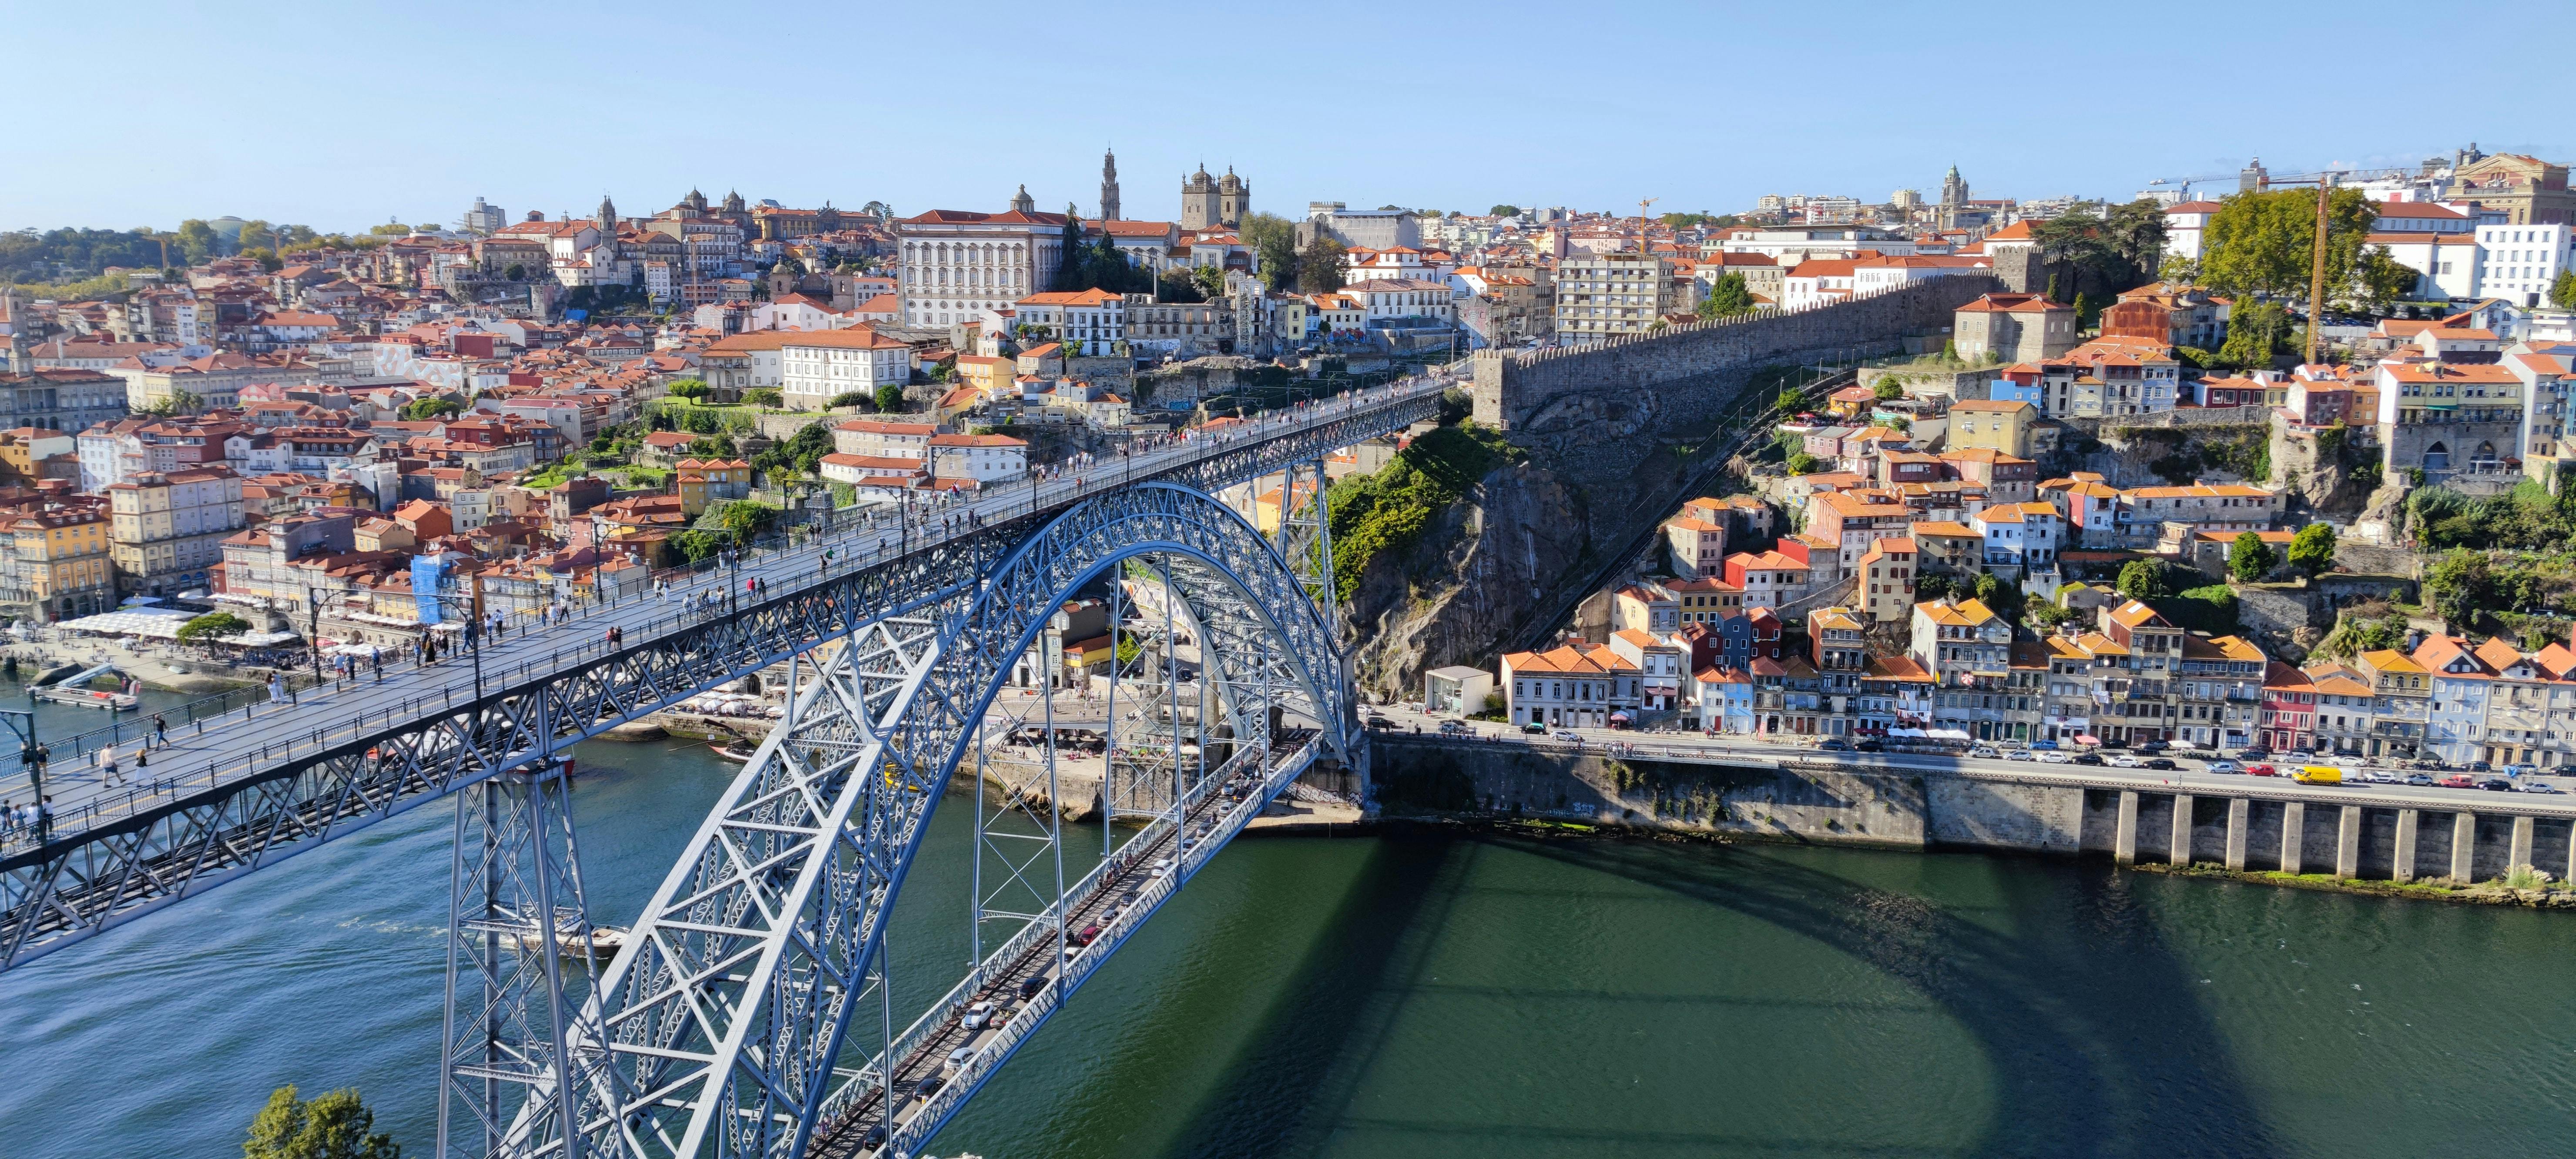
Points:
(346, 115)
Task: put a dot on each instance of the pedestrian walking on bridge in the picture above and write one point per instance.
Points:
(107, 766)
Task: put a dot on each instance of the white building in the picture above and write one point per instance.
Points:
(954, 264)
(883, 439)
(2518, 262)
(2185, 223)
(1392, 298)
(1086, 321)
(986, 459)
(815, 367)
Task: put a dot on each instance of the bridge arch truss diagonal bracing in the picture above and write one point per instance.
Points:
(734, 1005)
(333, 769)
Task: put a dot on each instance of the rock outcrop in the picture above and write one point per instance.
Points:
(1473, 580)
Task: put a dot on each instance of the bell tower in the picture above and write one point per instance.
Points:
(1109, 186)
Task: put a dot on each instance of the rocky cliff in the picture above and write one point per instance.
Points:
(1488, 564)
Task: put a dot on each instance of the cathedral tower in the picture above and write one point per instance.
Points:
(1109, 186)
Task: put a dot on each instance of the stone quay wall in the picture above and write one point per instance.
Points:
(1694, 369)
(2263, 826)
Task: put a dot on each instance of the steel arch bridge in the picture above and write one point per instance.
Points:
(726, 1025)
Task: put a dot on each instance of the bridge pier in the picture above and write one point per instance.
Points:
(2124, 843)
(2178, 851)
(2238, 811)
(2294, 823)
(2348, 843)
(2464, 847)
(2407, 820)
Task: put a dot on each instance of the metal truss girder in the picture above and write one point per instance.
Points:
(85, 883)
(722, 1043)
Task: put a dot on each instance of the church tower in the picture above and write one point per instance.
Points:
(1021, 202)
(1109, 186)
(1198, 200)
(1954, 198)
(607, 216)
(1233, 200)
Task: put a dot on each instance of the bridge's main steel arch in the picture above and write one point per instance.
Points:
(717, 1027)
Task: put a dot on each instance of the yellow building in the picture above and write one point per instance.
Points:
(703, 483)
(1994, 426)
(62, 570)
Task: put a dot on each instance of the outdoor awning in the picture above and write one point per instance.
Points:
(2087, 738)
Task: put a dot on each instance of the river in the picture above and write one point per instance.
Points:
(1436, 993)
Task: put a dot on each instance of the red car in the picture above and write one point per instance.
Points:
(2457, 781)
(1088, 935)
(2261, 771)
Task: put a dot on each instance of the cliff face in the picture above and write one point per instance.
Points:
(1492, 561)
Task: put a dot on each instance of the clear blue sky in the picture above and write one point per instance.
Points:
(343, 115)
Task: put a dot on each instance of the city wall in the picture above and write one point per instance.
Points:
(1689, 372)
(2264, 826)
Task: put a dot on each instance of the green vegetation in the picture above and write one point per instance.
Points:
(2102, 253)
(2528, 518)
(336, 1125)
(1273, 240)
(801, 453)
(889, 397)
(2313, 548)
(747, 519)
(1930, 586)
(1729, 297)
(1887, 390)
(424, 409)
(1319, 266)
(2256, 333)
(851, 398)
(764, 396)
(1802, 463)
(2502, 592)
(1998, 594)
(2249, 559)
(1504, 211)
(213, 624)
(688, 388)
(1790, 400)
(2562, 293)
(2210, 609)
(2367, 627)
(1389, 510)
(2143, 579)
(2261, 243)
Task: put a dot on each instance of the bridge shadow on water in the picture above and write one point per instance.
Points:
(2091, 1026)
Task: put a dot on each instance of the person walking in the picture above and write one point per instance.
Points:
(160, 731)
(107, 766)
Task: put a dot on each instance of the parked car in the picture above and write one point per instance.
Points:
(1380, 722)
(2043, 745)
(977, 1015)
(2254, 754)
(1868, 746)
(2151, 746)
(2262, 771)
(2419, 778)
(2223, 765)
(2480, 767)
(1835, 745)
(2086, 758)
(2162, 764)
(2120, 761)
(1986, 752)
(2496, 785)
(1567, 734)
(1453, 727)
(1535, 727)
(2458, 781)
(2537, 787)
(2053, 757)
(2020, 755)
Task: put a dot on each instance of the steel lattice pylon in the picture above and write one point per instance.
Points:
(517, 921)
(723, 1018)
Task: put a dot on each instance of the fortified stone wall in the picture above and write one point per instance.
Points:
(1689, 372)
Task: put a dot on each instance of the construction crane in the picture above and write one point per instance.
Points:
(1642, 203)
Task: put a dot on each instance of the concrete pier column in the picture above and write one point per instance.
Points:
(2348, 843)
(2464, 846)
(2407, 819)
(2179, 851)
(2521, 854)
(2237, 811)
(2124, 843)
(2294, 822)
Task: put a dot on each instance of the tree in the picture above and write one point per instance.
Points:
(336, 1125)
(690, 388)
(1069, 273)
(2143, 579)
(1319, 266)
(1931, 586)
(719, 444)
(1729, 297)
(1211, 280)
(2313, 548)
(2103, 252)
(2381, 280)
(213, 624)
(1790, 399)
(2000, 596)
(2256, 332)
(1886, 390)
(516, 272)
(1802, 463)
(764, 396)
(2250, 559)
(1503, 211)
(196, 240)
(2086, 312)
(889, 397)
(424, 409)
(2562, 293)
(2461, 586)
(255, 235)
(746, 519)
(849, 398)
(2262, 243)
(1273, 241)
